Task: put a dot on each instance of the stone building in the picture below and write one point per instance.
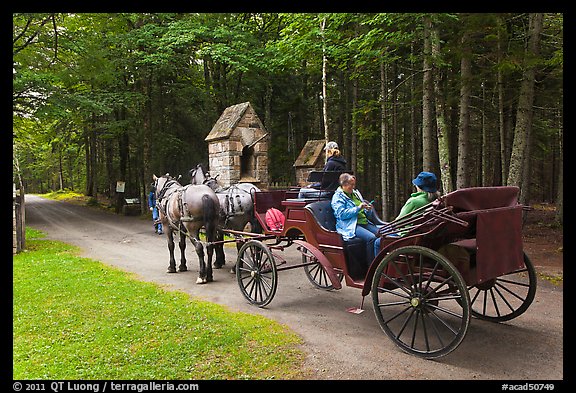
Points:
(238, 147)
(312, 157)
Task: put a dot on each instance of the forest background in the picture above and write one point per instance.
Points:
(476, 98)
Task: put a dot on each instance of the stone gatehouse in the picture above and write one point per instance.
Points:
(238, 147)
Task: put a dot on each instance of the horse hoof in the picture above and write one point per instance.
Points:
(171, 270)
(182, 269)
(201, 280)
(232, 271)
(218, 266)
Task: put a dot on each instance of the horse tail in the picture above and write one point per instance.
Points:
(210, 212)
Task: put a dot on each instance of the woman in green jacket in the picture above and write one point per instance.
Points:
(426, 192)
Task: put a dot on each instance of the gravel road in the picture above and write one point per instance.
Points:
(339, 345)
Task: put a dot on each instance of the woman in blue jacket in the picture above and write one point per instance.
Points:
(352, 214)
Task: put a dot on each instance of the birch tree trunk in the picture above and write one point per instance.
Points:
(324, 97)
(525, 102)
(441, 128)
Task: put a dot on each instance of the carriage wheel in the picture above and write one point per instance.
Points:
(421, 301)
(316, 273)
(505, 297)
(256, 273)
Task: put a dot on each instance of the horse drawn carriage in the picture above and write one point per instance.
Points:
(458, 257)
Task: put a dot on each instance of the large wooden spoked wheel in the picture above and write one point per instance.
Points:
(256, 273)
(505, 297)
(315, 272)
(421, 301)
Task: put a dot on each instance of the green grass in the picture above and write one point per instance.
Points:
(76, 318)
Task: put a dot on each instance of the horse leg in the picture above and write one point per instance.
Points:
(202, 274)
(169, 235)
(182, 245)
(219, 249)
(210, 253)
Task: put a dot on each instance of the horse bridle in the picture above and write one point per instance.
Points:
(165, 187)
(206, 175)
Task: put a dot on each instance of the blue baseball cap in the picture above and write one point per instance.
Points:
(426, 181)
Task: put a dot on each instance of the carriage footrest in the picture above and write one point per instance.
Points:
(468, 244)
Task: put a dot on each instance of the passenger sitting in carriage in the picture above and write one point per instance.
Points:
(426, 192)
(335, 162)
(353, 214)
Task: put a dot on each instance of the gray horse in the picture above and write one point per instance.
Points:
(236, 201)
(187, 209)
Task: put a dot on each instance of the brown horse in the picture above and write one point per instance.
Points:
(187, 209)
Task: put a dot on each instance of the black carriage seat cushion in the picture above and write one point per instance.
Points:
(322, 211)
(354, 249)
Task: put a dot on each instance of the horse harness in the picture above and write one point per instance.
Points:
(162, 203)
(233, 199)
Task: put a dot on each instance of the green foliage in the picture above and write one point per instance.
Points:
(127, 94)
(75, 318)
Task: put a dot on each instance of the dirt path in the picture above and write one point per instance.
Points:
(340, 345)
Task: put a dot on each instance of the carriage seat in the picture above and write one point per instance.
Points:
(314, 193)
(354, 249)
(324, 184)
(329, 179)
(322, 211)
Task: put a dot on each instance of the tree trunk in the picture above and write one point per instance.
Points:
(268, 106)
(525, 103)
(324, 96)
(60, 168)
(415, 131)
(90, 146)
(146, 144)
(385, 202)
(427, 92)
(304, 124)
(560, 191)
(393, 167)
(350, 130)
(485, 151)
(339, 137)
(354, 150)
(463, 169)
(501, 98)
(441, 126)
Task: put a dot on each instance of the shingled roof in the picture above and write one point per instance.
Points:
(228, 121)
(310, 153)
